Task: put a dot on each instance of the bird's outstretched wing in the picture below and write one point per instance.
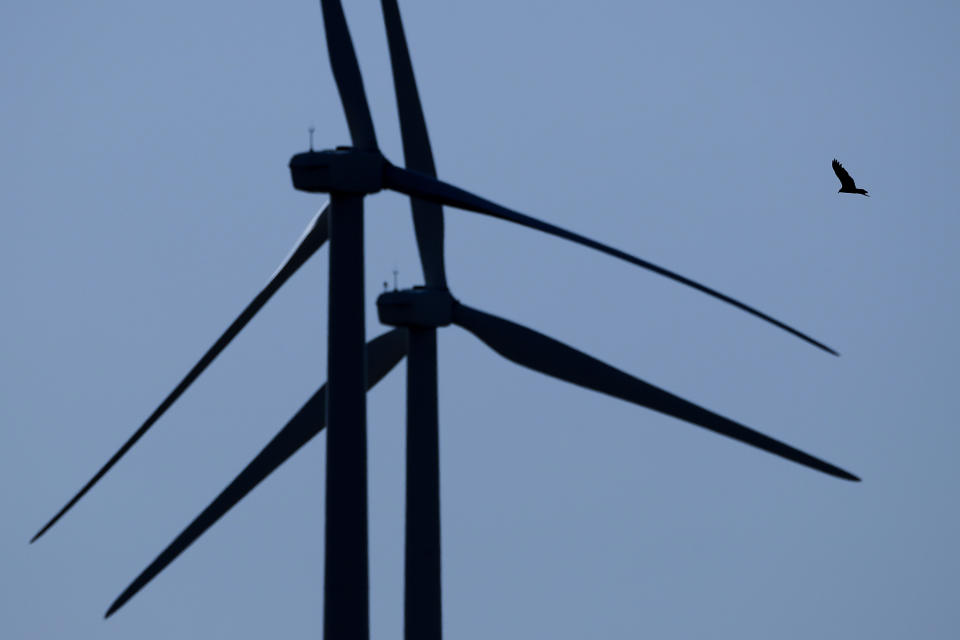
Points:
(846, 182)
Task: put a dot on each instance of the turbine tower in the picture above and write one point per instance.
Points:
(349, 174)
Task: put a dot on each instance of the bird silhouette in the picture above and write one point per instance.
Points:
(847, 185)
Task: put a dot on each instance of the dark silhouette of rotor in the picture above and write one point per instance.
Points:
(847, 185)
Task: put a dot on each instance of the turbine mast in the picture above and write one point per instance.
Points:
(421, 310)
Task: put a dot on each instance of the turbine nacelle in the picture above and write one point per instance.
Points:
(417, 307)
(340, 170)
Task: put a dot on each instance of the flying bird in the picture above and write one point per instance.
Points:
(847, 185)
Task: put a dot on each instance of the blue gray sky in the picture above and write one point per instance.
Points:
(147, 198)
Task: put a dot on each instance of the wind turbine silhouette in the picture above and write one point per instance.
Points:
(348, 174)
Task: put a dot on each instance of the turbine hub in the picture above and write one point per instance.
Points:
(341, 170)
(417, 307)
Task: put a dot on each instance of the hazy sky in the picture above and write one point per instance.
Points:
(146, 198)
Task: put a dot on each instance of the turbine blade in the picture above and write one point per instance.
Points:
(312, 239)
(546, 355)
(346, 72)
(427, 215)
(383, 353)
(422, 186)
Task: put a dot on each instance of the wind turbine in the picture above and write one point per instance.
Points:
(348, 174)
(422, 310)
